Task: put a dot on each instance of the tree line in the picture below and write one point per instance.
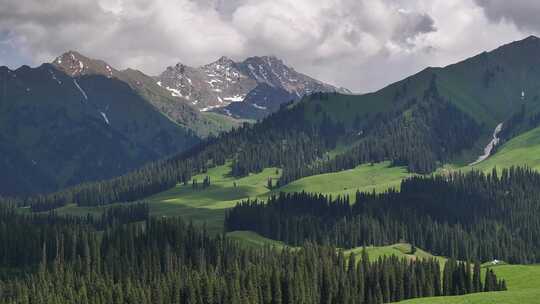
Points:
(165, 260)
(285, 138)
(450, 215)
(419, 134)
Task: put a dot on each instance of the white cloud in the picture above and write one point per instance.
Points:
(359, 44)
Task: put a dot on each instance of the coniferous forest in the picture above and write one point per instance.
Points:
(452, 215)
(433, 131)
(247, 182)
(127, 257)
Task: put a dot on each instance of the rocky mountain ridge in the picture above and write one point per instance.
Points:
(262, 83)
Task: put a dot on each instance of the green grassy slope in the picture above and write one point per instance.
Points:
(378, 177)
(523, 288)
(522, 280)
(252, 239)
(209, 205)
(487, 87)
(401, 250)
(521, 150)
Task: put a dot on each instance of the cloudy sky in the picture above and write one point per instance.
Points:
(359, 44)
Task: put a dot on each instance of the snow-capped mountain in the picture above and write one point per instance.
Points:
(260, 82)
(76, 66)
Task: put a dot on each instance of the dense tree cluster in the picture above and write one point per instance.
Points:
(27, 240)
(285, 138)
(450, 215)
(168, 261)
(417, 133)
(420, 135)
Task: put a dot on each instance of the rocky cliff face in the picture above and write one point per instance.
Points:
(260, 83)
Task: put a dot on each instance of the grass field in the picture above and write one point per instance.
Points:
(401, 250)
(521, 150)
(378, 177)
(253, 239)
(209, 205)
(523, 288)
(522, 280)
(217, 123)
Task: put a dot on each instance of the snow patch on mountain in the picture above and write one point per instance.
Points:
(105, 118)
(83, 93)
(174, 92)
(109, 70)
(236, 98)
(206, 109)
(225, 81)
(259, 107)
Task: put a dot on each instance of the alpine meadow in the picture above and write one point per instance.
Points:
(269, 152)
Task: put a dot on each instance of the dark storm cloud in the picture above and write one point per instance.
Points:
(413, 24)
(523, 13)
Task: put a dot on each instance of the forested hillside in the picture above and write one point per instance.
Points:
(451, 215)
(420, 123)
(58, 131)
(168, 261)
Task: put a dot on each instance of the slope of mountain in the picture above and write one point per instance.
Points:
(251, 89)
(519, 151)
(77, 65)
(75, 121)
(488, 86)
(420, 123)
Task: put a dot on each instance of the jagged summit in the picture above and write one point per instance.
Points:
(75, 64)
(223, 60)
(225, 81)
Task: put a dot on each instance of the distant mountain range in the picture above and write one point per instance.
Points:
(79, 119)
(250, 89)
(436, 119)
(76, 65)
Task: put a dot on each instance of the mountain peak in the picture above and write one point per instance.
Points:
(75, 64)
(222, 61)
(264, 79)
(70, 56)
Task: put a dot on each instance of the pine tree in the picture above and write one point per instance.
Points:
(476, 280)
